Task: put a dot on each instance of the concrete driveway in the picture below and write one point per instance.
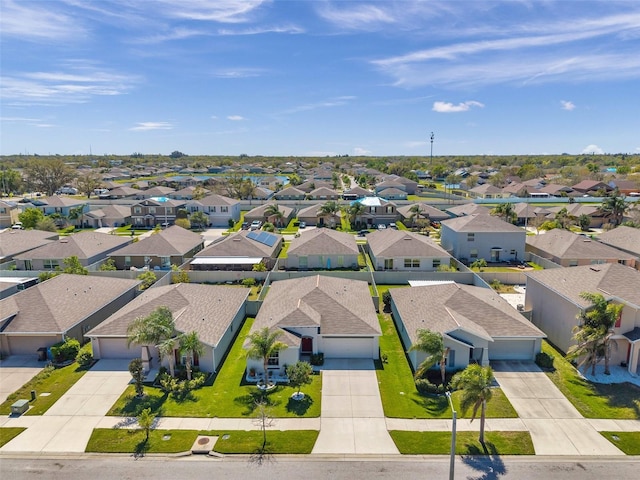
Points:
(352, 419)
(68, 424)
(556, 427)
(15, 371)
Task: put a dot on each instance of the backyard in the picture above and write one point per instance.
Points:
(225, 395)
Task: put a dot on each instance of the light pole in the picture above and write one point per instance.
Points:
(432, 136)
(452, 459)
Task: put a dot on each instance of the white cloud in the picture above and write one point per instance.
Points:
(30, 21)
(223, 11)
(235, 118)
(446, 107)
(214, 117)
(332, 102)
(290, 29)
(146, 126)
(592, 149)
(358, 151)
(567, 105)
(358, 16)
(242, 72)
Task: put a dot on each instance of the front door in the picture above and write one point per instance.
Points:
(307, 345)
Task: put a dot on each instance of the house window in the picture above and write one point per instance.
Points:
(436, 262)
(127, 261)
(224, 209)
(51, 264)
(303, 262)
(513, 252)
(27, 265)
(165, 262)
(411, 263)
(152, 209)
(388, 264)
(389, 209)
(273, 359)
(471, 237)
(573, 263)
(473, 253)
(212, 209)
(597, 262)
(137, 210)
(340, 261)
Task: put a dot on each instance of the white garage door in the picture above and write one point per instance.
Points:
(117, 348)
(511, 350)
(29, 345)
(348, 347)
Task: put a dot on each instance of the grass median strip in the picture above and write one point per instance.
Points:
(108, 440)
(439, 443)
(593, 400)
(9, 433)
(628, 442)
(400, 399)
(54, 381)
(227, 397)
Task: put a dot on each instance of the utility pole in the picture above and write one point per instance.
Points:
(452, 456)
(432, 137)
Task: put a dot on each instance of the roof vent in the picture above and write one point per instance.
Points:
(594, 269)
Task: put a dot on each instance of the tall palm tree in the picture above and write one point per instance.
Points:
(152, 329)
(431, 343)
(416, 212)
(264, 344)
(614, 207)
(273, 210)
(355, 210)
(504, 211)
(586, 348)
(329, 209)
(167, 349)
(191, 346)
(475, 382)
(75, 214)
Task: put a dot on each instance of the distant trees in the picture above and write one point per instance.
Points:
(87, 183)
(47, 175)
(177, 154)
(614, 207)
(10, 181)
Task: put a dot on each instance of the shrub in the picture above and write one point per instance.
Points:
(67, 350)
(425, 387)
(181, 388)
(317, 359)
(249, 282)
(85, 355)
(544, 360)
(386, 300)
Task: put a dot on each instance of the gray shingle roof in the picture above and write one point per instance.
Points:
(623, 237)
(56, 305)
(480, 223)
(206, 309)
(323, 241)
(402, 243)
(338, 306)
(468, 209)
(174, 240)
(433, 213)
(609, 279)
(215, 200)
(239, 245)
(14, 242)
(568, 245)
(83, 245)
(449, 307)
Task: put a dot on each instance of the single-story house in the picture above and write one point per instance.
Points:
(322, 248)
(626, 239)
(468, 209)
(356, 192)
(391, 249)
(528, 212)
(389, 184)
(596, 216)
(553, 296)
(187, 193)
(311, 216)
(157, 191)
(592, 187)
(215, 312)
(65, 306)
(125, 192)
(159, 251)
(218, 208)
(475, 236)
(319, 314)
(421, 211)
(90, 247)
(410, 186)
(290, 193)
(570, 250)
(486, 191)
(477, 324)
(107, 216)
(16, 242)
(324, 193)
(260, 213)
(310, 185)
(239, 251)
(393, 194)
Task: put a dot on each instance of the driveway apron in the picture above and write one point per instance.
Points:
(556, 427)
(68, 424)
(15, 371)
(352, 420)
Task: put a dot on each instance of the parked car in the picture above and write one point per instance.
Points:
(255, 225)
(303, 225)
(381, 226)
(17, 226)
(393, 225)
(245, 226)
(362, 233)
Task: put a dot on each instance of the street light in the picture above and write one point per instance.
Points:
(432, 136)
(452, 459)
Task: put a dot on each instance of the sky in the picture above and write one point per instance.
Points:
(316, 78)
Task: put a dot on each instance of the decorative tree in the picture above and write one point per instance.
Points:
(147, 279)
(264, 344)
(152, 329)
(191, 346)
(431, 343)
(136, 369)
(299, 374)
(475, 382)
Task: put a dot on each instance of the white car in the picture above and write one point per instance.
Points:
(17, 226)
(255, 225)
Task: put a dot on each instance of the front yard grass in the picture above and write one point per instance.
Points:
(439, 443)
(628, 442)
(55, 381)
(9, 433)
(400, 399)
(227, 396)
(109, 440)
(593, 400)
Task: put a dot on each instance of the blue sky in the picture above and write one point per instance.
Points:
(227, 77)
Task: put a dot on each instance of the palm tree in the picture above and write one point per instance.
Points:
(191, 346)
(264, 344)
(505, 211)
(475, 382)
(167, 348)
(416, 212)
(75, 214)
(329, 209)
(354, 211)
(273, 210)
(614, 207)
(431, 343)
(152, 329)
(586, 347)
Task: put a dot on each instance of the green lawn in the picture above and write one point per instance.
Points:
(628, 442)
(9, 433)
(400, 399)
(439, 443)
(228, 397)
(285, 248)
(108, 440)
(56, 382)
(593, 400)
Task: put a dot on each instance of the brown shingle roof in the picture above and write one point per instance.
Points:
(449, 307)
(433, 213)
(480, 223)
(468, 209)
(623, 237)
(206, 309)
(239, 245)
(14, 242)
(568, 245)
(174, 240)
(83, 245)
(338, 306)
(401, 243)
(56, 305)
(323, 241)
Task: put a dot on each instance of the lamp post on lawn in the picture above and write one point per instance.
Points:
(452, 460)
